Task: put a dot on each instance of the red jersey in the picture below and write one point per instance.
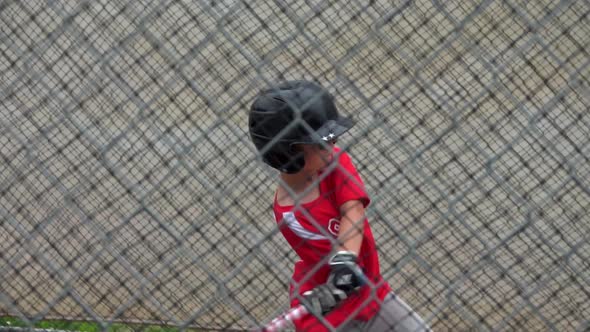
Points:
(311, 229)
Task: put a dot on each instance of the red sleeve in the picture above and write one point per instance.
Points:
(347, 182)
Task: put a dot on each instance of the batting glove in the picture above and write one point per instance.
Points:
(323, 298)
(345, 274)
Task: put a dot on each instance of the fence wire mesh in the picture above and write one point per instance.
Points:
(130, 191)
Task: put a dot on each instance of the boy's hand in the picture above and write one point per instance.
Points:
(345, 274)
(323, 298)
(345, 278)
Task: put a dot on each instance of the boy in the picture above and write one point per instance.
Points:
(319, 205)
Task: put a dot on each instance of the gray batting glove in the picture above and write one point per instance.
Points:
(323, 298)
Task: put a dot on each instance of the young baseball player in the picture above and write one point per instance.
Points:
(319, 205)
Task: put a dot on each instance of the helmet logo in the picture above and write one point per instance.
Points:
(329, 137)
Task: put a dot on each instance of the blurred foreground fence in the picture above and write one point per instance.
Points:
(129, 190)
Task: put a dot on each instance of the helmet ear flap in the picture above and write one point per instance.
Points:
(285, 158)
(295, 164)
(297, 159)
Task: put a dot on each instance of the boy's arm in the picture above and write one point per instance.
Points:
(352, 224)
(345, 273)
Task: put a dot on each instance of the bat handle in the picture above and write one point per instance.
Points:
(279, 323)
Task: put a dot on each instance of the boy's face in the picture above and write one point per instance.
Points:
(317, 156)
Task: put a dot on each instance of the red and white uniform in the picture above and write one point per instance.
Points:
(311, 229)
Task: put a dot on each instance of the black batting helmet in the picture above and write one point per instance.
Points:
(276, 116)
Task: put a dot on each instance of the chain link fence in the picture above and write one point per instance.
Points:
(130, 191)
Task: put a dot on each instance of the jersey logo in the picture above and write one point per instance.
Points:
(334, 226)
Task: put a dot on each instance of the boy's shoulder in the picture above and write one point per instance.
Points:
(344, 160)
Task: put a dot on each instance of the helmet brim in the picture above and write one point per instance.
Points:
(331, 130)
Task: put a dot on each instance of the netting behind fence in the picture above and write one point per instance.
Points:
(130, 191)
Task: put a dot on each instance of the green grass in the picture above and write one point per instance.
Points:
(85, 326)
